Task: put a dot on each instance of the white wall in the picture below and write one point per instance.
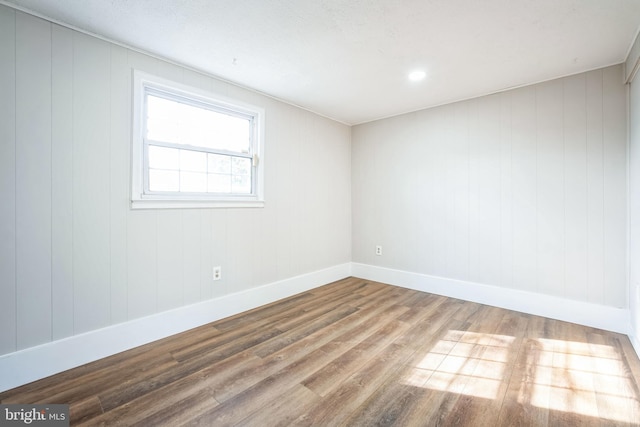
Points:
(73, 256)
(523, 190)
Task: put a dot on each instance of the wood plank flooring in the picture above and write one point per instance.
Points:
(360, 353)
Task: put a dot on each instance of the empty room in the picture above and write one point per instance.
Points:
(320, 213)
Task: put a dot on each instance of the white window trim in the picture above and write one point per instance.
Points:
(140, 200)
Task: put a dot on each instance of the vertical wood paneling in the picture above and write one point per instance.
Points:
(428, 130)
(550, 188)
(409, 191)
(219, 257)
(270, 213)
(460, 145)
(33, 180)
(361, 177)
(170, 260)
(259, 247)
(449, 247)
(305, 236)
(316, 149)
(119, 148)
(286, 153)
(91, 183)
(524, 167)
(299, 209)
(240, 248)
(84, 259)
(191, 255)
(337, 152)
(206, 260)
(395, 194)
(475, 149)
(506, 192)
(8, 334)
(341, 157)
(545, 196)
(267, 226)
(382, 180)
(438, 196)
(324, 152)
(61, 176)
(615, 187)
(383, 235)
(142, 261)
(595, 188)
(489, 189)
(575, 186)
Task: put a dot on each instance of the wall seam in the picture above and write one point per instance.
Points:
(602, 143)
(73, 279)
(51, 164)
(15, 175)
(110, 185)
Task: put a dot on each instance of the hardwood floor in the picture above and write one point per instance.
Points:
(360, 353)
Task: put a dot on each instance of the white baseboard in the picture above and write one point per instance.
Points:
(38, 362)
(583, 313)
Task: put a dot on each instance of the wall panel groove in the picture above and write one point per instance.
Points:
(8, 303)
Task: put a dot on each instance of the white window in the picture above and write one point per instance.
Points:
(194, 149)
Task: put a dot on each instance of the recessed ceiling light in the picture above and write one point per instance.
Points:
(416, 76)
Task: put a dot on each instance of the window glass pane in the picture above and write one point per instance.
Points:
(179, 123)
(241, 166)
(193, 161)
(219, 163)
(163, 180)
(197, 126)
(241, 184)
(164, 158)
(193, 182)
(219, 183)
(233, 133)
(162, 120)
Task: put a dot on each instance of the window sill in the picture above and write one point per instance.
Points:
(194, 204)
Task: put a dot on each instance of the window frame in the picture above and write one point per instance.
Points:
(141, 197)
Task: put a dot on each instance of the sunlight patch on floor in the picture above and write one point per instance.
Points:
(574, 377)
(580, 378)
(464, 362)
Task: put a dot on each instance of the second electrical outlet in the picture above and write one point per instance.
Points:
(217, 273)
(378, 250)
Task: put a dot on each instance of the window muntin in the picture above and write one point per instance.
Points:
(187, 171)
(188, 147)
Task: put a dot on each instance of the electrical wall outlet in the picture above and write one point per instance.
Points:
(217, 273)
(379, 250)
